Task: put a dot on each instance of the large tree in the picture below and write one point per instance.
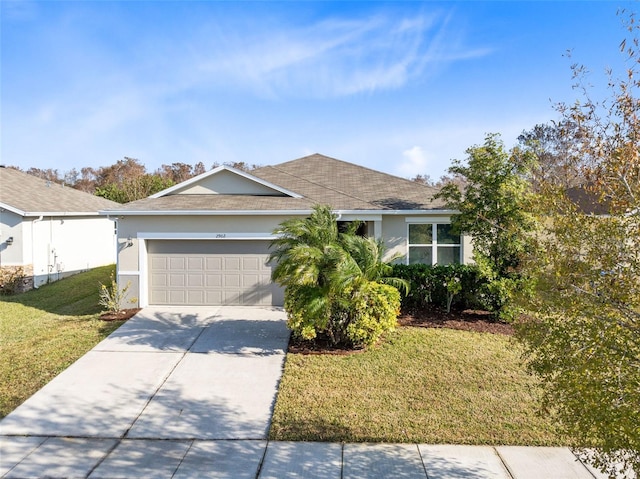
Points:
(553, 148)
(583, 333)
(493, 209)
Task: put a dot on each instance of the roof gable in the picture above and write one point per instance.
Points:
(226, 180)
(28, 195)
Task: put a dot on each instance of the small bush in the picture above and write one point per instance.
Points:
(356, 318)
(113, 298)
(374, 311)
(12, 280)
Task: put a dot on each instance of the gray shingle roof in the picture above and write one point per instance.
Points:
(347, 186)
(29, 194)
(218, 202)
(319, 179)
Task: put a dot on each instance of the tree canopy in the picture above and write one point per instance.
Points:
(582, 333)
(493, 208)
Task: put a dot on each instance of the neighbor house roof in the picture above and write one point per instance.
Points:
(28, 195)
(587, 202)
(314, 179)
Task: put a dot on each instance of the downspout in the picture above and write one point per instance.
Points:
(33, 250)
(115, 245)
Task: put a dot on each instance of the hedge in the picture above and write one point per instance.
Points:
(429, 286)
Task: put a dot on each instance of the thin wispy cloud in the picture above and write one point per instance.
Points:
(333, 57)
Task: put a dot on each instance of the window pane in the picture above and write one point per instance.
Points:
(420, 234)
(448, 254)
(445, 236)
(420, 254)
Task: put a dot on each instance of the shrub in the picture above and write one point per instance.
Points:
(356, 318)
(447, 286)
(375, 310)
(12, 280)
(112, 298)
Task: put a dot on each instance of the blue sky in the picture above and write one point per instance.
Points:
(402, 87)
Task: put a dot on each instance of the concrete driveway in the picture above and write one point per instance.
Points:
(167, 374)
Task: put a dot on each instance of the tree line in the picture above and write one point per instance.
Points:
(128, 179)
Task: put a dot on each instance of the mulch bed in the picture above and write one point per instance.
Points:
(121, 315)
(319, 346)
(468, 320)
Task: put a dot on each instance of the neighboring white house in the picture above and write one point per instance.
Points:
(51, 230)
(206, 241)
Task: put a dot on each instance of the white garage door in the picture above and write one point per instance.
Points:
(216, 272)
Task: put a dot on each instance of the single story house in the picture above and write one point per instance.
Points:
(51, 230)
(206, 241)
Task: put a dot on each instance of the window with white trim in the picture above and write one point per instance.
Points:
(433, 243)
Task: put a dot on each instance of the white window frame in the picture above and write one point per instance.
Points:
(434, 239)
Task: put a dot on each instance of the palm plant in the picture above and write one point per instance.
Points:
(366, 258)
(327, 273)
(306, 250)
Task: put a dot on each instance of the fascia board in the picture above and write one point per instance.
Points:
(62, 213)
(217, 170)
(271, 212)
(204, 212)
(48, 213)
(398, 212)
(7, 207)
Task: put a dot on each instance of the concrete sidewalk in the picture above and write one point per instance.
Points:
(189, 393)
(56, 457)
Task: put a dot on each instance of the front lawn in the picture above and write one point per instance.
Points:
(420, 385)
(44, 331)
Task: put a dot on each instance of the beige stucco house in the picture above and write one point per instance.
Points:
(206, 241)
(49, 230)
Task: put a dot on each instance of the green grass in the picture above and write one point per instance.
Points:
(44, 331)
(421, 385)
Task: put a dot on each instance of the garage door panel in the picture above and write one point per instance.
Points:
(196, 297)
(213, 263)
(177, 280)
(231, 264)
(213, 297)
(231, 280)
(251, 264)
(250, 280)
(195, 264)
(213, 280)
(231, 298)
(177, 297)
(211, 273)
(158, 263)
(177, 263)
(158, 297)
(159, 279)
